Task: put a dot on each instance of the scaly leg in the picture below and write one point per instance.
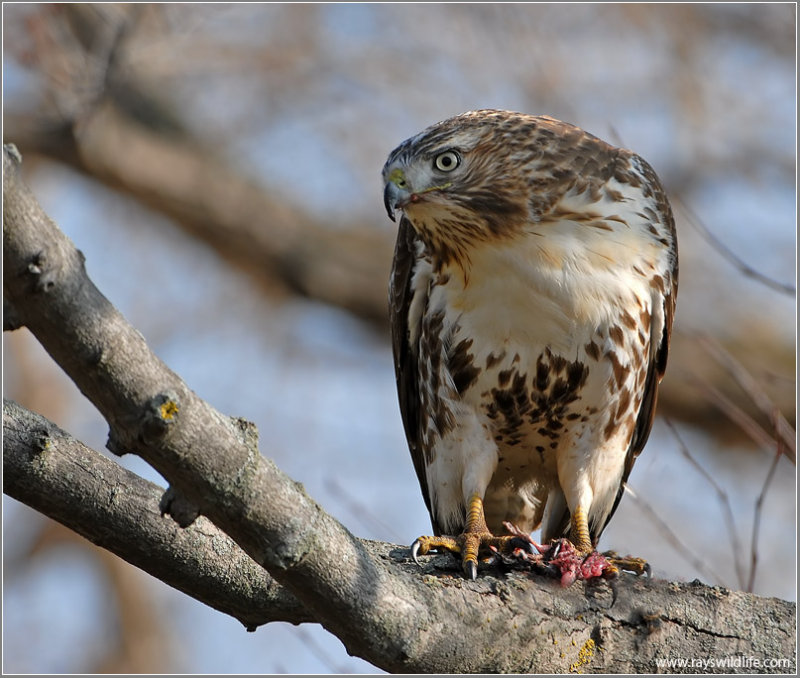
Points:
(579, 534)
(469, 543)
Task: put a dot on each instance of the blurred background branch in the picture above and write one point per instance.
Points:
(113, 112)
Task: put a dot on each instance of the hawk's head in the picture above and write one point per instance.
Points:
(485, 174)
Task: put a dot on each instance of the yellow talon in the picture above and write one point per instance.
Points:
(637, 566)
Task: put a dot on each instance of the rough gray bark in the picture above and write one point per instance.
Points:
(380, 605)
(47, 469)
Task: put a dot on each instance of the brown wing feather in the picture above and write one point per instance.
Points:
(405, 361)
(655, 372)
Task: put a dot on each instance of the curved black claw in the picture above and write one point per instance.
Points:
(471, 569)
(415, 551)
(612, 583)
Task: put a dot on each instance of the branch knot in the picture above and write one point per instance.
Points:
(182, 511)
(160, 413)
(42, 273)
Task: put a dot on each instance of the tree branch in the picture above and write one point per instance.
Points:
(368, 594)
(47, 469)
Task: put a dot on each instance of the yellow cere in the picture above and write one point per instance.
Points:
(397, 177)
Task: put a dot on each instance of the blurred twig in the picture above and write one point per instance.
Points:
(784, 431)
(672, 538)
(730, 522)
(735, 413)
(783, 438)
(757, 519)
(717, 244)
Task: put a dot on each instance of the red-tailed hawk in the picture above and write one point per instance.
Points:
(532, 296)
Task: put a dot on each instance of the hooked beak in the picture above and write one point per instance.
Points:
(391, 196)
(398, 193)
(395, 193)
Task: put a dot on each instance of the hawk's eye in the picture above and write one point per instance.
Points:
(447, 161)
